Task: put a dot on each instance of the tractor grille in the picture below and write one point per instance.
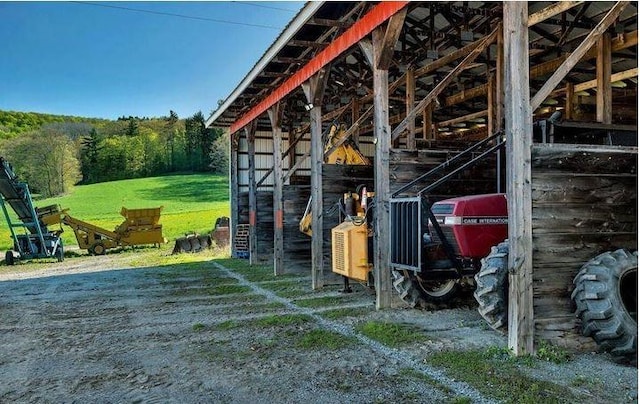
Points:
(406, 233)
(339, 251)
(448, 234)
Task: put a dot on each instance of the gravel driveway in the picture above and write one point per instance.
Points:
(92, 330)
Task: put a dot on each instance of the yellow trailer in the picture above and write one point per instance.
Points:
(140, 227)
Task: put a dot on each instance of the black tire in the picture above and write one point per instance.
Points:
(606, 298)
(59, 254)
(419, 293)
(9, 259)
(492, 286)
(97, 249)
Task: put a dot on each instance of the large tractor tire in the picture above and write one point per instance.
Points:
(492, 286)
(419, 293)
(606, 298)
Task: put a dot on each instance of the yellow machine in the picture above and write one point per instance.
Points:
(140, 227)
(346, 153)
(350, 240)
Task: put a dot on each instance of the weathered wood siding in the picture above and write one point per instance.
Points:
(584, 202)
(405, 166)
(297, 246)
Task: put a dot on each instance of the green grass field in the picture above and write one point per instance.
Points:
(191, 203)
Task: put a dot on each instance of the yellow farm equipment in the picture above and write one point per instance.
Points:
(140, 227)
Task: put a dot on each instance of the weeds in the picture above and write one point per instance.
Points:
(323, 339)
(391, 334)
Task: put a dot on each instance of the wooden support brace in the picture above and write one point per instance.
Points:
(431, 97)
(577, 54)
(604, 99)
(385, 55)
(250, 131)
(551, 11)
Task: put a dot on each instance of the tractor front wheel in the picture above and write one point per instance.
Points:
(418, 292)
(97, 249)
(492, 286)
(606, 298)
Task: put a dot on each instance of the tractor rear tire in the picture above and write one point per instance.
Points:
(492, 286)
(606, 298)
(419, 293)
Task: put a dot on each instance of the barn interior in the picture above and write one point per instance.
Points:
(410, 85)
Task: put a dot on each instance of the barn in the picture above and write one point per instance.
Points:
(541, 98)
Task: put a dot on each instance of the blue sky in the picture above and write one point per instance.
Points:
(96, 61)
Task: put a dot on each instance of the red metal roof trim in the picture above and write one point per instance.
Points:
(350, 37)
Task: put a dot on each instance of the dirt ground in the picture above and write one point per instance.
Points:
(92, 329)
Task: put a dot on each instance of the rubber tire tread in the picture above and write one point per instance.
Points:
(408, 291)
(600, 308)
(492, 286)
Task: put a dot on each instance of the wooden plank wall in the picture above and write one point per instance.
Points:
(297, 246)
(584, 203)
(405, 166)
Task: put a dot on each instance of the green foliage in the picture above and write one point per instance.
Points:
(45, 159)
(130, 147)
(219, 155)
(391, 334)
(552, 353)
(283, 320)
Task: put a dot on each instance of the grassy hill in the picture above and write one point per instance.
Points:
(191, 203)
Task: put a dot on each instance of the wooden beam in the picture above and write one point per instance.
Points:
(391, 35)
(314, 92)
(275, 117)
(355, 115)
(551, 11)
(409, 104)
(465, 95)
(460, 119)
(234, 188)
(577, 54)
(604, 97)
(448, 59)
(491, 94)
(445, 82)
(250, 131)
(587, 85)
(518, 128)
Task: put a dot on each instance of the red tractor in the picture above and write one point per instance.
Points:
(435, 248)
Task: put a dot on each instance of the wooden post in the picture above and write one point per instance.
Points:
(355, 115)
(382, 138)
(499, 99)
(518, 127)
(604, 111)
(291, 147)
(568, 102)
(491, 100)
(234, 188)
(410, 102)
(275, 116)
(314, 92)
(250, 131)
(427, 123)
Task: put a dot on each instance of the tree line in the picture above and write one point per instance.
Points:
(53, 154)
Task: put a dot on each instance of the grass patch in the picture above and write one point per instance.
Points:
(288, 288)
(198, 327)
(282, 320)
(552, 353)
(325, 301)
(496, 376)
(227, 325)
(334, 314)
(228, 289)
(391, 334)
(410, 373)
(324, 339)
